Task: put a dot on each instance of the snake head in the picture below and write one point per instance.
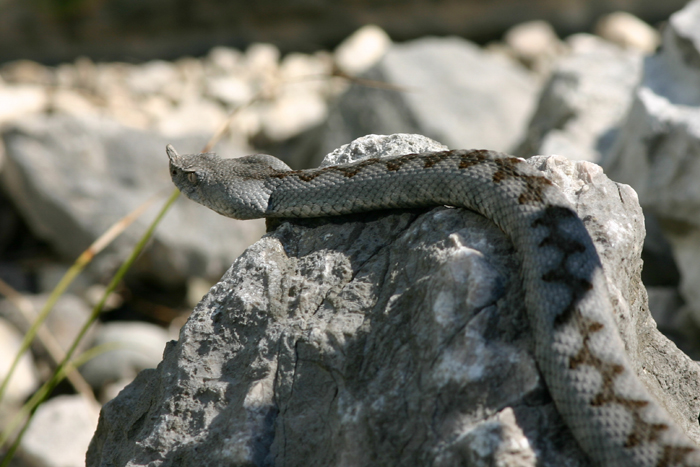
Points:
(232, 187)
(189, 171)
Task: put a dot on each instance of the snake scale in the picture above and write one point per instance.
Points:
(578, 348)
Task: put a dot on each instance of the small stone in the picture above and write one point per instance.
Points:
(152, 77)
(72, 102)
(261, 59)
(534, 40)
(60, 433)
(626, 30)
(303, 73)
(292, 114)
(362, 50)
(27, 72)
(19, 100)
(156, 107)
(192, 117)
(224, 60)
(140, 346)
(231, 90)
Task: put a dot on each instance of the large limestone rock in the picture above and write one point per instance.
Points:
(584, 101)
(389, 338)
(446, 88)
(72, 178)
(658, 148)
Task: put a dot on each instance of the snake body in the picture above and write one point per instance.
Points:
(578, 348)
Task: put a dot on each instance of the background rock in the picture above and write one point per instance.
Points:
(334, 341)
(584, 101)
(658, 148)
(440, 85)
(138, 346)
(60, 433)
(73, 178)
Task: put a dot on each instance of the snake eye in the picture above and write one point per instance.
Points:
(192, 178)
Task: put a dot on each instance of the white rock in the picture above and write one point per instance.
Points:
(224, 60)
(152, 77)
(362, 50)
(24, 380)
(200, 116)
(301, 72)
(533, 40)
(262, 58)
(584, 100)
(627, 30)
(19, 100)
(140, 346)
(27, 72)
(60, 433)
(72, 102)
(157, 107)
(293, 113)
(231, 90)
(658, 147)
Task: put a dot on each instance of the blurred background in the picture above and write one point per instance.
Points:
(91, 91)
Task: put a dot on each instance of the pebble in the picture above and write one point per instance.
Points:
(535, 43)
(224, 60)
(17, 101)
(362, 50)
(626, 30)
(60, 433)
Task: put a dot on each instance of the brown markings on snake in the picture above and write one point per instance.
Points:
(673, 455)
(430, 160)
(642, 431)
(533, 193)
(308, 175)
(472, 158)
(392, 165)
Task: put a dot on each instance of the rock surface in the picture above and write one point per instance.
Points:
(393, 338)
(72, 178)
(584, 102)
(442, 88)
(658, 148)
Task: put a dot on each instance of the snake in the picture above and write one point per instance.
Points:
(578, 349)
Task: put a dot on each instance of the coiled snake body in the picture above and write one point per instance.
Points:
(578, 349)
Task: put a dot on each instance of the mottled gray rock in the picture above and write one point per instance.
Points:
(60, 433)
(450, 90)
(393, 338)
(584, 101)
(658, 148)
(71, 179)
